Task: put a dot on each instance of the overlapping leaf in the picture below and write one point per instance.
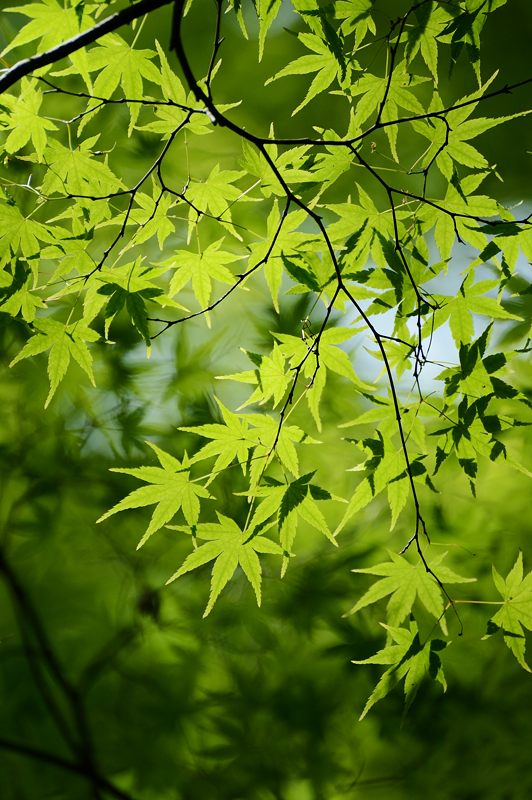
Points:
(409, 659)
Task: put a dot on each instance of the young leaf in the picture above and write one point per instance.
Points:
(230, 546)
(169, 488)
(409, 659)
(64, 342)
(403, 582)
(516, 611)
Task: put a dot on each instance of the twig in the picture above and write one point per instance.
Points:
(75, 43)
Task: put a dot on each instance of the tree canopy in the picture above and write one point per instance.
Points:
(263, 258)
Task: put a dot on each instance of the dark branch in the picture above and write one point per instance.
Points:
(45, 757)
(124, 17)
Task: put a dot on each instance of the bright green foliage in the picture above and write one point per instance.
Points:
(231, 547)
(327, 63)
(169, 489)
(290, 503)
(23, 119)
(404, 583)
(201, 270)
(516, 611)
(363, 204)
(64, 342)
(408, 658)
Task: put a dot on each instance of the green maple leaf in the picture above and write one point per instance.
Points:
(75, 170)
(331, 357)
(151, 217)
(409, 659)
(18, 295)
(23, 301)
(285, 498)
(269, 442)
(371, 88)
(403, 582)
(469, 300)
(271, 378)
(422, 36)
(326, 64)
(288, 240)
(135, 304)
(383, 467)
(267, 11)
(128, 286)
(274, 379)
(369, 228)
(24, 120)
(290, 502)
(51, 23)
(118, 64)
(216, 194)
(169, 489)
(228, 441)
(201, 269)
(516, 611)
(355, 16)
(64, 342)
(19, 234)
(230, 546)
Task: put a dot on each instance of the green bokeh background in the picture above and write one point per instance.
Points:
(249, 704)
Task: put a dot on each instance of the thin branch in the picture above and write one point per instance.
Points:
(28, 65)
(45, 757)
(32, 622)
(218, 40)
(393, 54)
(145, 101)
(420, 526)
(240, 279)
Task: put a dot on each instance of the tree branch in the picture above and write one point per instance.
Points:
(62, 763)
(27, 65)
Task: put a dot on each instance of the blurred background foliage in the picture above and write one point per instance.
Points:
(250, 704)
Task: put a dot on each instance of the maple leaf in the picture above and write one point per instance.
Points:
(245, 432)
(469, 300)
(230, 546)
(75, 171)
(215, 194)
(267, 11)
(287, 240)
(135, 304)
(118, 63)
(63, 342)
(271, 378)
(291, 502)
(201, 269)
(404, 582)
(19, 234)
(265, 434)
(50, 22)
(18, 296)
(24, 119)
(130, 285)
(327, 65)
(229, 441)
(169, 489)
(516, 611)
(409, 659)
